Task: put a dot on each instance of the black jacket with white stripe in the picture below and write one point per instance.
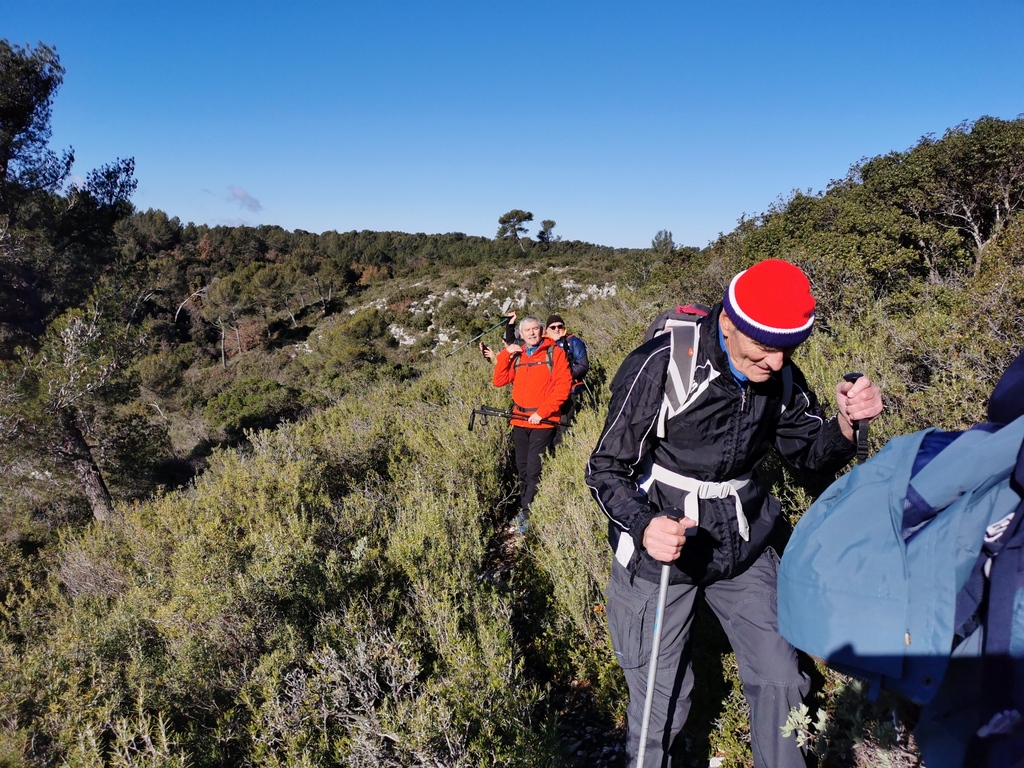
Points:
(723, 435)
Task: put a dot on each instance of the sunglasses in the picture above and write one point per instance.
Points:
(557, 326)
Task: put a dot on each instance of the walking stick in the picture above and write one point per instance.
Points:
(860, 427)
(486, 411)
(503, 321)
(652, 667)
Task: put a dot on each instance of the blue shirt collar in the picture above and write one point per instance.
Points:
(735, 373)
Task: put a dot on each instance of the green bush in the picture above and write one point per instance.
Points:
(251, 404)
(361, 344)
(571, 550)
(162, 372)
(453, 314)
(135, 444)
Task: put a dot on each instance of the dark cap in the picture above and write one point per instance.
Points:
(554, 319)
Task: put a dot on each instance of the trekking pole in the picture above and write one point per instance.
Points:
(503, 321)
(860, 426)
(485, 411)
(590, 393)
(652, 667)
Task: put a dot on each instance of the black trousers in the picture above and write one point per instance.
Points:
(531, 445)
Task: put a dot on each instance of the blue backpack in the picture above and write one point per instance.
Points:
(914, 558)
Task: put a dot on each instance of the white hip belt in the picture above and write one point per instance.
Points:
(700, 489)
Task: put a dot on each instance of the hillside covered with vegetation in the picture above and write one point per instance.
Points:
(244, 522)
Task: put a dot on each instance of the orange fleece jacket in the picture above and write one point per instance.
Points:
(534, 387)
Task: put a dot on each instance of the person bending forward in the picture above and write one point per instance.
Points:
(699, 474)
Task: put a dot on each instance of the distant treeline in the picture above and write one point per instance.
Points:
(269, 269)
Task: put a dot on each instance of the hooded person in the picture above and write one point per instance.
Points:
(675, 478)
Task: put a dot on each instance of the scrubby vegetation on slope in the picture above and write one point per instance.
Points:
(243, 519)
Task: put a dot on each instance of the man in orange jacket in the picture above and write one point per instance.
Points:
(541, 380)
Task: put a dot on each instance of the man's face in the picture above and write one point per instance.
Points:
(556, 331)
(532, 333)
(751, 358)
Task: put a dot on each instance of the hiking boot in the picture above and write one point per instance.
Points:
(521, 524)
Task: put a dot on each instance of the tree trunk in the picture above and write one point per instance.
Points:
(90, 481)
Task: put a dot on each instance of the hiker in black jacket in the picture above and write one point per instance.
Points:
(664, 466)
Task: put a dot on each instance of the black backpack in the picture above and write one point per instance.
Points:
(683, 322)
(682, 315)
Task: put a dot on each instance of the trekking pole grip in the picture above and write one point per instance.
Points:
(860, 426)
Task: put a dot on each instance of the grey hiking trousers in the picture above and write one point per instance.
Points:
(746, 607)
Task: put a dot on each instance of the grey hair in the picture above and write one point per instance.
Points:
(528, 318)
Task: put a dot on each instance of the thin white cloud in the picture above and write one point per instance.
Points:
(244, 199)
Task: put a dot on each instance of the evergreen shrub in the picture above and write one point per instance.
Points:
(249, 404)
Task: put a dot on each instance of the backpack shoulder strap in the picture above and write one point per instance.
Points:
(1004, 631)
(549, 360)
(566, 346)
(679, 315)
(787, 385)
(682, 367)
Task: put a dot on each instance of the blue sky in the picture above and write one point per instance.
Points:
(615, 119)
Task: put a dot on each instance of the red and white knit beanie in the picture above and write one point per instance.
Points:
(771, 302)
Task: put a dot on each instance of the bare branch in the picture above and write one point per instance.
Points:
(201, 292)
